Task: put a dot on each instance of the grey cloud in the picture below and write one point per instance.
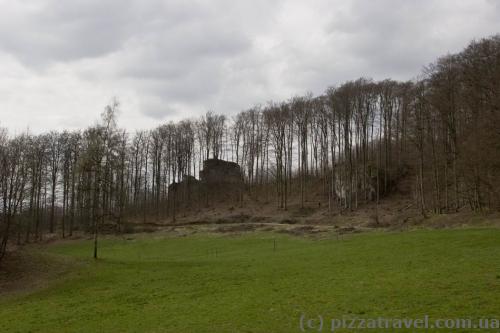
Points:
(177, 58)
(170, 54)
(157, 109)
(54, 33)
(41, 32)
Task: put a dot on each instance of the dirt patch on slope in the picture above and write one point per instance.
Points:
(25, 270)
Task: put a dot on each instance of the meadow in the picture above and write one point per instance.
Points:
(261, 282)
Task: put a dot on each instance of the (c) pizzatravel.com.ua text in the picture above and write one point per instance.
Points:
(320, 323)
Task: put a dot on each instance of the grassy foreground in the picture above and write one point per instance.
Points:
(240, 284)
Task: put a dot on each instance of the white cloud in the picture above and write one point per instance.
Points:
(62, 61)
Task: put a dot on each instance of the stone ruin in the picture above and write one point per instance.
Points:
(220, 181)
(188, 184)
(219, 172)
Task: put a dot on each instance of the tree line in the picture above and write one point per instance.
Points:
(354, 143)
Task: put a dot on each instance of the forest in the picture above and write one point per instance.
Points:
(357, 139)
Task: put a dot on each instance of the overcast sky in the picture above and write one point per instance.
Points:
(61, 62)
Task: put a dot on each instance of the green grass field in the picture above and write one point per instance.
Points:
(208, 283)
